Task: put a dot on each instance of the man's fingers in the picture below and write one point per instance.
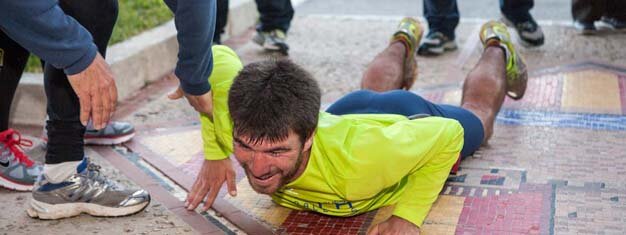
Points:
(106, 105)
(198, 196)
(230, 184)
(85, 109)
(212, 195)
(192, 193)
(176, 94)
(97, 109)
(113, 95)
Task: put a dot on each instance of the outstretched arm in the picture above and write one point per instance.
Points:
(195, 22)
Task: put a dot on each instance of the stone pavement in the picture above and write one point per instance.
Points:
(556, 163)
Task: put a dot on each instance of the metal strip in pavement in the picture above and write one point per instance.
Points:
(228, 211)
(195, 220)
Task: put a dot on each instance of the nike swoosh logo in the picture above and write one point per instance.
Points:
(4, 164)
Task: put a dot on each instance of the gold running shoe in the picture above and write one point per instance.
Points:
(409, 32)
(495, 32)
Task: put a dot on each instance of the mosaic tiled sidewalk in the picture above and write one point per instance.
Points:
(555, 165)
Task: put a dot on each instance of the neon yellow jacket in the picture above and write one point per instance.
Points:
(359, 162)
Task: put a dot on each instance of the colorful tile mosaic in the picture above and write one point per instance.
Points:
(484, 197)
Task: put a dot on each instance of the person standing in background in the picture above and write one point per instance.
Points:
(443, 18)
(274, 22)
(610, 14)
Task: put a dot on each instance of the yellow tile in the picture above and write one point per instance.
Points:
(187, 144)
(442, 219)
(446, 210)
(591, 91)
(437, 229)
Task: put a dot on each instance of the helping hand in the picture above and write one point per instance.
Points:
(96, 91)
(209, 181)
(201, 103)
(395, 225)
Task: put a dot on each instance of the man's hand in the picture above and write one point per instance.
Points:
(202, 103)
(209, 181)
(96, 91)
(394, 225)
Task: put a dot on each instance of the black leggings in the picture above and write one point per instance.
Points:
(65, 132)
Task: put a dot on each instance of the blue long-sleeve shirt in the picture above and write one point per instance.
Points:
(44, 29)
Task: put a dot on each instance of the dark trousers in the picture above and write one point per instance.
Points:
(443, 15)
(407, 103)
(220, 20)
(275, 14)
(593, 10)
(65, 132)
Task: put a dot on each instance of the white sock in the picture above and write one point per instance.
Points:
(57, 173)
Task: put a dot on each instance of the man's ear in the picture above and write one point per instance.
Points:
(309, 142)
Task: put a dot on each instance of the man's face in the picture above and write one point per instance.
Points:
(269, 166)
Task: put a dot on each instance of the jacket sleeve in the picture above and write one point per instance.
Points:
(212, 150)
(195, 23)
(45, 30)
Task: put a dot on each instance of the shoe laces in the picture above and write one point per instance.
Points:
(527, 26)
(95, 174)
(12, 140)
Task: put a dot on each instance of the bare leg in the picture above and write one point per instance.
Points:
(485, 87)
(385, 72)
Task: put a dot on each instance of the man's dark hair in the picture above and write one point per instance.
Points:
(270, 98)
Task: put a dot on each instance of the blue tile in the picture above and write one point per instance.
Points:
(560, 119)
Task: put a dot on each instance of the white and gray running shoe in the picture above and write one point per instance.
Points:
(17, 171)
(113, 133)
(85, 192)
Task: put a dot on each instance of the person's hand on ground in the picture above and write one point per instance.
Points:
(202, 103)
(395, 226)
(209, 181)
(96, 91)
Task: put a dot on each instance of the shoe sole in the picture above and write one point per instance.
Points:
(42, 210)
(587, 31)
(5, 183)
(438, 50)
(280, 47)
(606, 26)
(109, 141)
(522, 41)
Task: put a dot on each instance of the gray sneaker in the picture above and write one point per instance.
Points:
(273, 40)
(17, 171)
(113, 133)
(85, 192)
(436, 43)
